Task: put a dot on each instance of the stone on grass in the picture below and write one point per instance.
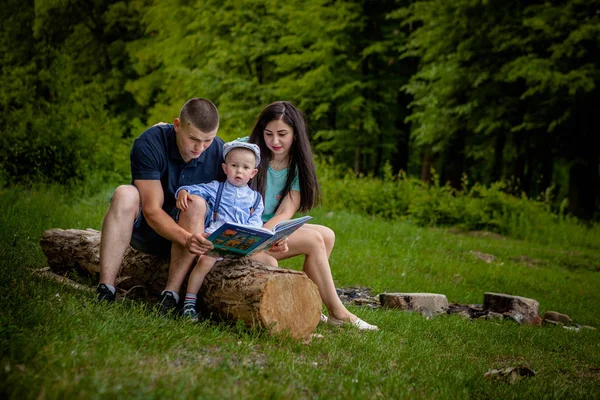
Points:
(493, 315)
(520, 309)
(428, 304)
(488, 258)
(557, 317)
(509, 374)
(467, 311)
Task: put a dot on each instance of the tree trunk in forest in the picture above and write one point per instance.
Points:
(584, 183)
(357, 161)
(427, 164)
(400, 159)
(276, 299)
(377, 169)
(546, 169)
(498, 157)
(518, 164)
(455, 161)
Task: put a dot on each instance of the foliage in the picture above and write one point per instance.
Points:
(501, 92)
(64, 114)
(508, 76)
(475, 208)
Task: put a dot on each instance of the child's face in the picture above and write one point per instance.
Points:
(240, 166)
(279, 137)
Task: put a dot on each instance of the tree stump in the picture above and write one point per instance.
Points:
(272, 298)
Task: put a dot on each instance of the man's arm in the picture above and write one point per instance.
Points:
(152, 198)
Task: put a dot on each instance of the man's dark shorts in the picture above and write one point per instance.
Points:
(147, 240)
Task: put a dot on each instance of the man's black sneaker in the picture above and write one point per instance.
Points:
(167, 304)
(104, 293)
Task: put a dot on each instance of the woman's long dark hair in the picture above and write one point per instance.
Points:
(300, 158)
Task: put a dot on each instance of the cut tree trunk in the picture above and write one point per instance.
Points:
(272, 298)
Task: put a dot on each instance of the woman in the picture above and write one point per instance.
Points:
(287, 180)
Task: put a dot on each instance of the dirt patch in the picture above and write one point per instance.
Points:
(480, 234)
(528, 261)
(590, 373)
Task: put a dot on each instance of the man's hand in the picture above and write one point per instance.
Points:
(197, 244)
(182, 200)
(281, 246)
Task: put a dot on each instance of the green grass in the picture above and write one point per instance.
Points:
(57, 343)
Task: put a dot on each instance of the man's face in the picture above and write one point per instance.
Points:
(240, 166)
(191, 141)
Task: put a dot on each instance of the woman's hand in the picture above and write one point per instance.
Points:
(182, 200)
(281, 246)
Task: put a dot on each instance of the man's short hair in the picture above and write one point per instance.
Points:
(201, 113)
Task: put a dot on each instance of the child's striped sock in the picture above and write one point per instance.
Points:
(190, 300)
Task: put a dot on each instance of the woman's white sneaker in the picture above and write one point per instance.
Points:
(358, 323)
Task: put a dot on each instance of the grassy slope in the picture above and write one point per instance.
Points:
(60, 343)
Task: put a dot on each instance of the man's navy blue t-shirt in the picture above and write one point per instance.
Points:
(155, 156)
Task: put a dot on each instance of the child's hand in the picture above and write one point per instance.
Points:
(280, 246)
(182, 200)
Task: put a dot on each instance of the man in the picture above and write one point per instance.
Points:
(144, 214)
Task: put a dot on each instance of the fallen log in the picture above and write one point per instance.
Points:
(272, 298)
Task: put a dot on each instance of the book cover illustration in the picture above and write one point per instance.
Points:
(243, 240)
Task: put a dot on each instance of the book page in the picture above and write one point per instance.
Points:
(237, 239)
(291, 222)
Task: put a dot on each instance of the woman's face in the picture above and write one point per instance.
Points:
(279, 137)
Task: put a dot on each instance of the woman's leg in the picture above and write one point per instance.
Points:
(265, 258)
(328, 236)
(312, 244)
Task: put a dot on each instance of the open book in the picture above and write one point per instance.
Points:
(239, 240)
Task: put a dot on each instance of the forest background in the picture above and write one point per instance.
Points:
(456, 94)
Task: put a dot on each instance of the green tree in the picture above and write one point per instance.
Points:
(510, 83)
(64, 110)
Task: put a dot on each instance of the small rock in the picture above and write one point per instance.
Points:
(428, 304)
(466, 310)
(588, 327)
(358, 296)
(523, 319)
(550, 322)
(557, 317)
(520, 309)
(572, 328)
(493, 315)
(488, 258)
(510, 374)
(463, 314)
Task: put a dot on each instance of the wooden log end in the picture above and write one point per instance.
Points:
(290, 304)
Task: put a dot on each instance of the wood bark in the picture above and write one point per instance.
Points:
(276, 299)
